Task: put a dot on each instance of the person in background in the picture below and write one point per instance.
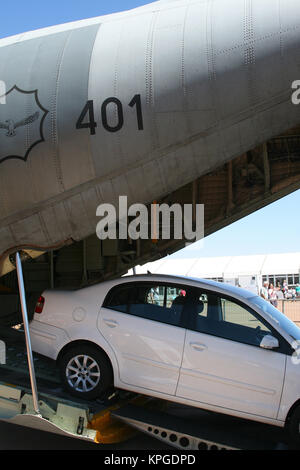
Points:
(298, 290)
(154, 295)
(288, 294)
(180, 299)
(285, 288)
(264, 291)
(280, 295)
(273, 296)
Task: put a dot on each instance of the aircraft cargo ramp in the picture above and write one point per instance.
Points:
(117, 421)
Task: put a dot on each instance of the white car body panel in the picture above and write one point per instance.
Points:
(149, 353)
(61, 309)
(47, 339)
(231, 375)
(290, 389)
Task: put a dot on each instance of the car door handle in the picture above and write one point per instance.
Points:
(110, 323)
(198, 346)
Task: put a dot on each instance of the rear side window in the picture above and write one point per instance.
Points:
(152, 301)
(118, 298)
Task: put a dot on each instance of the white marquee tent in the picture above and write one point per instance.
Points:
(227, 267)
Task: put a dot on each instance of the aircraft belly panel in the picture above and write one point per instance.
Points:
(139, 104)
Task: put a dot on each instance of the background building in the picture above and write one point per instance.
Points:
(246, 271)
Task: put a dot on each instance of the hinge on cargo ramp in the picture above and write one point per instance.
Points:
(67, 420)
(26, 409)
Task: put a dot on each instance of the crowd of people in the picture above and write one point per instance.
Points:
(280, 292)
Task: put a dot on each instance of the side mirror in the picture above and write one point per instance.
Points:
(269, 342)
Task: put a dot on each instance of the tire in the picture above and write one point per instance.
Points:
(86, 372)
(293, 427)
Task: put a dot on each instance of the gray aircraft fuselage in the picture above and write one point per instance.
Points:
(138, 103)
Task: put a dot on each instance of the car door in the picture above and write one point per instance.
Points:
(223, 364)
(141, 322)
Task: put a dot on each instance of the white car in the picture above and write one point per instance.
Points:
(197, 342)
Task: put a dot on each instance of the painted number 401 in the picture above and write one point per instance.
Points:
(86, 119)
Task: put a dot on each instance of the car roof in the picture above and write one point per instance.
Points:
(204, 283)
(220, 287)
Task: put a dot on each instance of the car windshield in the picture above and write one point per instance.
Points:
(290, 327)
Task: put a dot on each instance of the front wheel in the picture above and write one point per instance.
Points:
(86, 372)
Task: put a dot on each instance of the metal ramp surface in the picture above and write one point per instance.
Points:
(119, 418)
(204, 431)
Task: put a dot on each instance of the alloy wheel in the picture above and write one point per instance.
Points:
(83, 373)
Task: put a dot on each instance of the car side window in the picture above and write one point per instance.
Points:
(227, 319)
(152, 301)
(118, 298)
(158, 302)
(238, 315)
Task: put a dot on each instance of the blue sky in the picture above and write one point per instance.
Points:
(19, 16)
(274, 229)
